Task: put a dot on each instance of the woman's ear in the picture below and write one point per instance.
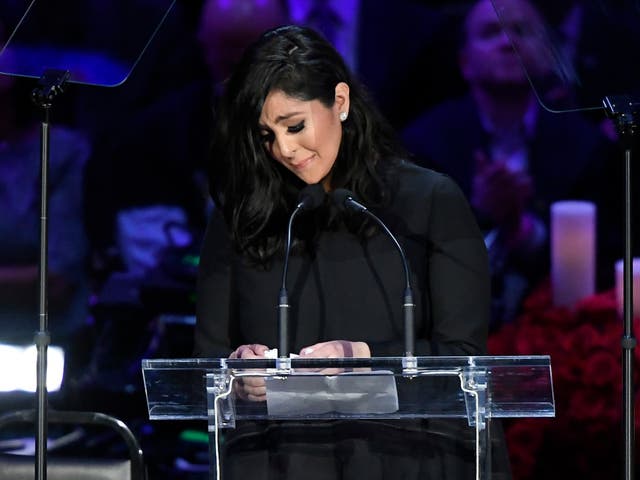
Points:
(342, 100)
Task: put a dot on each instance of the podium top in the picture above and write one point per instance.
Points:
(425, 387)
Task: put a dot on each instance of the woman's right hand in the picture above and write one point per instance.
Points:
(250, 388)
(336, 349)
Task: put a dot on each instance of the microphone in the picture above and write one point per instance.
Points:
(310, 197)
(344, 199)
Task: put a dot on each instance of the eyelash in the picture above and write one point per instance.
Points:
(296, 128)
(267, 137)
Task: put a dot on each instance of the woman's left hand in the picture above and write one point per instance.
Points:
(336, 349)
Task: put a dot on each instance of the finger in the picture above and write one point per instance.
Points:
(327, 350)
(254, 388)
(332, 371)
(242, 351)
(332, 349)
(247, 351)
(254, 350)
(258, 349)
(238, 388)
(314, 350)
(257, 398)
(254, 382)
(255, 391)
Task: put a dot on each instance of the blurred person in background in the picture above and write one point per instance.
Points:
(20, 202)
(511, 157)
(147, 198)
(395, 48)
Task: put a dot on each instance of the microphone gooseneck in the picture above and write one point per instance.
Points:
(344, 199)
(310, 197)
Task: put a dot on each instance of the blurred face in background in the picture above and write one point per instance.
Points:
(227, 27)
(488, 57)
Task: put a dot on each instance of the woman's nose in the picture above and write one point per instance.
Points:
(286, 147)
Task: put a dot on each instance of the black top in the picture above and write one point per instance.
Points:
(353, 290)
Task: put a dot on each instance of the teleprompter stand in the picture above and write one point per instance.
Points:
(55, 61)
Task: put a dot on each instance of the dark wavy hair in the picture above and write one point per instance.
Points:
(256, 193)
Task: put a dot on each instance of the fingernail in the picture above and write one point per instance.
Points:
(307, 351)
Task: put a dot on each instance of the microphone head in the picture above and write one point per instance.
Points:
(340, 197)
(344, 200)
(311, 196)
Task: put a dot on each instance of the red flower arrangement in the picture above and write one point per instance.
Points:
(584, 440)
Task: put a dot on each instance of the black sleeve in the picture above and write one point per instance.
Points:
(458, 278)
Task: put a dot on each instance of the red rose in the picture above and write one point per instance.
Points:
(586, 338)
(585, 350)
(601, 308)
(524, 438)
(602, 369)
(535, 339)
(501, 342)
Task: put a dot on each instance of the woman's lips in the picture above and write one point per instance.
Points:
(303, 163)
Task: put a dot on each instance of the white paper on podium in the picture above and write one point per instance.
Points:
(349, 392)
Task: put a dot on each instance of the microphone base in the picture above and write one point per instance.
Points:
(283, 364)
(409, 365)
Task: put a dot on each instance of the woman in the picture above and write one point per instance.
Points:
(292, 115)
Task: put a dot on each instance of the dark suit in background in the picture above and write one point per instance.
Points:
(564, 150)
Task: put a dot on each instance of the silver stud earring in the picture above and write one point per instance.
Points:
(343, 116)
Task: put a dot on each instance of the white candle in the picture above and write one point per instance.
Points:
(620, 286)
(573, 245)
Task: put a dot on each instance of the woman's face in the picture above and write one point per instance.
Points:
(304, 136)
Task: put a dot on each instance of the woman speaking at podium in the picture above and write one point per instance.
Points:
(292, 115)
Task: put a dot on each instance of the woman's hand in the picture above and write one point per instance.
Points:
(255, 350)
(336, 349)
(250, 388)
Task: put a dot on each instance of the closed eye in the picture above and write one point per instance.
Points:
(296, 128)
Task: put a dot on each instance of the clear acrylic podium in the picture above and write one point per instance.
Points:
(475, 388)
